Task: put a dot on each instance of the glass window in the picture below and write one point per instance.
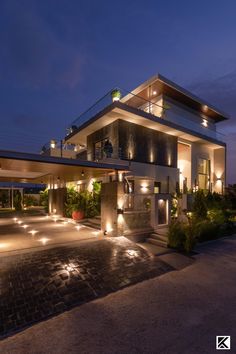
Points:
(157, 187)
(203, 173)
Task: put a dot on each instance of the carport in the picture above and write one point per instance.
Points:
(55, 172)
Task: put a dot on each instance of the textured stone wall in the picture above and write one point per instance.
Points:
(146, 145)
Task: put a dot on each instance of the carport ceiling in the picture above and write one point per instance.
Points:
(33, 168)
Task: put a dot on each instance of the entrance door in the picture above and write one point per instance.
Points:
(162, 211)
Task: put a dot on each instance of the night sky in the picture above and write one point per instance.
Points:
(58, 57)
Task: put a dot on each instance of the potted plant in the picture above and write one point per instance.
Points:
(116, 95)
(77, 215)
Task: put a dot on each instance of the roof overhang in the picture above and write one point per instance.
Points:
(33, 168)
(162, 86)
(119, 110)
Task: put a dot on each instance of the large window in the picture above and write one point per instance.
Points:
(103, 149)
(203, 173)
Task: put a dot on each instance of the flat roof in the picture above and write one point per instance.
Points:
(164, 86)
(35, 168)
(118, 110)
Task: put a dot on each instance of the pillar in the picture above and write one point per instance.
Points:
(112, 208)
(56, 201)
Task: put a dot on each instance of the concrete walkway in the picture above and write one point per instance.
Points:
(180, 312)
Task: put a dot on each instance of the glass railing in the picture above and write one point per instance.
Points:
(59, 148)
(149, 106)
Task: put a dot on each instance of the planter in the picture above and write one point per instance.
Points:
(77, 215)
(116, 95)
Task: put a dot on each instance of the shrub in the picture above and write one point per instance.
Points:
(17, 201)
(176, 235)
(44, 200)
(30, 200)
(191, 234)
(88, 202)
(206, 230)
(200, 205)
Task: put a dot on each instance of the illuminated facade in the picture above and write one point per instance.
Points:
(168, 138)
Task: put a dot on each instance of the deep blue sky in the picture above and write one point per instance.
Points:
(58, 57)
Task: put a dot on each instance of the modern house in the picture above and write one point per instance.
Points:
(168, 139)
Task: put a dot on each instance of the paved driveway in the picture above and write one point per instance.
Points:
(39, 284)
(40, 231)
(180, 312)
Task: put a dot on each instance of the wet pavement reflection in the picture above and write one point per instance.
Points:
(40, 284)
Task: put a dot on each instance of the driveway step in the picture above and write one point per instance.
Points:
(157, 242)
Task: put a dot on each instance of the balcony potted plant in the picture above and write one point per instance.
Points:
(116, 95)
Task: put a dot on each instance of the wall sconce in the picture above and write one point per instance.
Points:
(82, 173)
(144, 188)
(105, 233)
(218, 179)
(120, 211)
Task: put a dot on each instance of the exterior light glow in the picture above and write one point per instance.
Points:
(33, 232)
(70, 267)
(44, 240)
(25, 226)
(96, 233)
(132, 253)
(205, 123)
(53, 144)
(120, 177)
(144, 188)
(154, 92)
(3, 245)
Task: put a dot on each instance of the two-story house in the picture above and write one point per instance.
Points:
(166, 135)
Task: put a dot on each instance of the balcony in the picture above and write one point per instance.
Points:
(156, 108)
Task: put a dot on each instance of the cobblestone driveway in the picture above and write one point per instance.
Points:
(37, 285)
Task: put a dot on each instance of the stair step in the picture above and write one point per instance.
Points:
(94, 221)
(90, 224)
(159, 237)
(156, 242)
(161, 231)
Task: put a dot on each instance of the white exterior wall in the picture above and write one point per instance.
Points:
(158, 174)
